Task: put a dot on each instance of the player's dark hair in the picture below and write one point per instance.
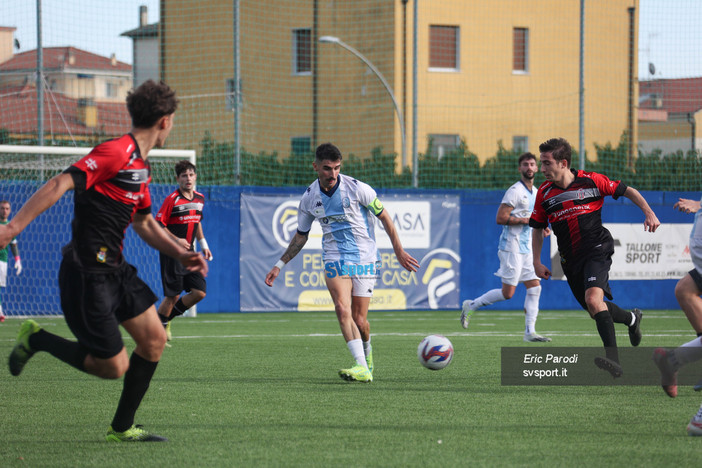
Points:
(2, 202)
(559, 149)
(149, 102)
(327, 152)
(526, 156)
(183, 166)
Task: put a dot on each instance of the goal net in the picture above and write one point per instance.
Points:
(23, 169)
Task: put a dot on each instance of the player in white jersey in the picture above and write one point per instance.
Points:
(687, 292)
(346, 208)
(514, 251)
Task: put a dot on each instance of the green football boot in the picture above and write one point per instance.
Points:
(22, 351)
(133, 434)
(357, 373)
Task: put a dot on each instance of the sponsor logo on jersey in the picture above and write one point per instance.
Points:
(341, 268)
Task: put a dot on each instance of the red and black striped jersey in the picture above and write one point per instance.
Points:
(181, 215)
(111, 184)
(575, 212)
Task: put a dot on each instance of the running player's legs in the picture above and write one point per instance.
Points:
(596, 277)
(340, 290)
(510, 271)
(88, 301)
(689, 288)
(172, 282)
(196, 286)
(687, 292)
(361, 293)
(576, 280)
(148, 333)
(172, 273)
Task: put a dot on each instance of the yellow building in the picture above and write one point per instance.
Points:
(487, 72)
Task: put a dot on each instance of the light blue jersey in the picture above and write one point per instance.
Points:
(347, 216)
(517, 238)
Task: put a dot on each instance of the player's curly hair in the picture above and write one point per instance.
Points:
(149, 102)
(559, 149)
(183, 166)
(327, 152)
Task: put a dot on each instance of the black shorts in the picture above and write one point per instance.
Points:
(94, 304)
(589, 271)
(697, 278)
(175, 278)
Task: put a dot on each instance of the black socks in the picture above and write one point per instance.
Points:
(136, 383)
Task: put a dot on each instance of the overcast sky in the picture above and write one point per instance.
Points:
(669, 30)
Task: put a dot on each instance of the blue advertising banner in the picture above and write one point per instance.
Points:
(428, 226)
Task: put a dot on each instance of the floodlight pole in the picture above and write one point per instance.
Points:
(339, 42)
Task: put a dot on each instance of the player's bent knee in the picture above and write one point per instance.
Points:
(198, 295)
(110, 369)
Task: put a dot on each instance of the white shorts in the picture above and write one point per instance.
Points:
(696, 255)
(363, 286)
(515, 267)
(3, 274)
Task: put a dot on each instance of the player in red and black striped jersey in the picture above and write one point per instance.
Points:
(571, 202)
(181, 215)
(99, 290)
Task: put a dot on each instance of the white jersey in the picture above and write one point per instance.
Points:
(347, 219)
(517, 238)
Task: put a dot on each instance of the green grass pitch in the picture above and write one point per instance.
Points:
(263, 390)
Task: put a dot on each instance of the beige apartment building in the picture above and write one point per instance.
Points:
(488, 73)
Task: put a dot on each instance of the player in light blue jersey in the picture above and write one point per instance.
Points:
(346, 209)
(514, 251)
(687, 292)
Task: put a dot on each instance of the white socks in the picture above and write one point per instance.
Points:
(356, 348)
(490, 297)
(696, 343)
(531, 306)
(367, 347)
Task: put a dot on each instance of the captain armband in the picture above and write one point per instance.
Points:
(376, 206)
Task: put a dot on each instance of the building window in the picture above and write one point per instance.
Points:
(111, 90)
(301, 145)
(443, 48)
(302, 51)
(520, 61)
(520, 144)
(440, 144)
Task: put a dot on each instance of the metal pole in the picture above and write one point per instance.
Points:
(415, 157)
(315, 75)
(339, 42)
(581, 147)
(39, 80)
(237, 96)
(630, 84)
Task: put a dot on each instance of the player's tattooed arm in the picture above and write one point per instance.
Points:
(296, 244)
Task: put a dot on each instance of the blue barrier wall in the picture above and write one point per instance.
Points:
(40, 245)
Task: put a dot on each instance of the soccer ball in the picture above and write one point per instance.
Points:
(435, 352)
